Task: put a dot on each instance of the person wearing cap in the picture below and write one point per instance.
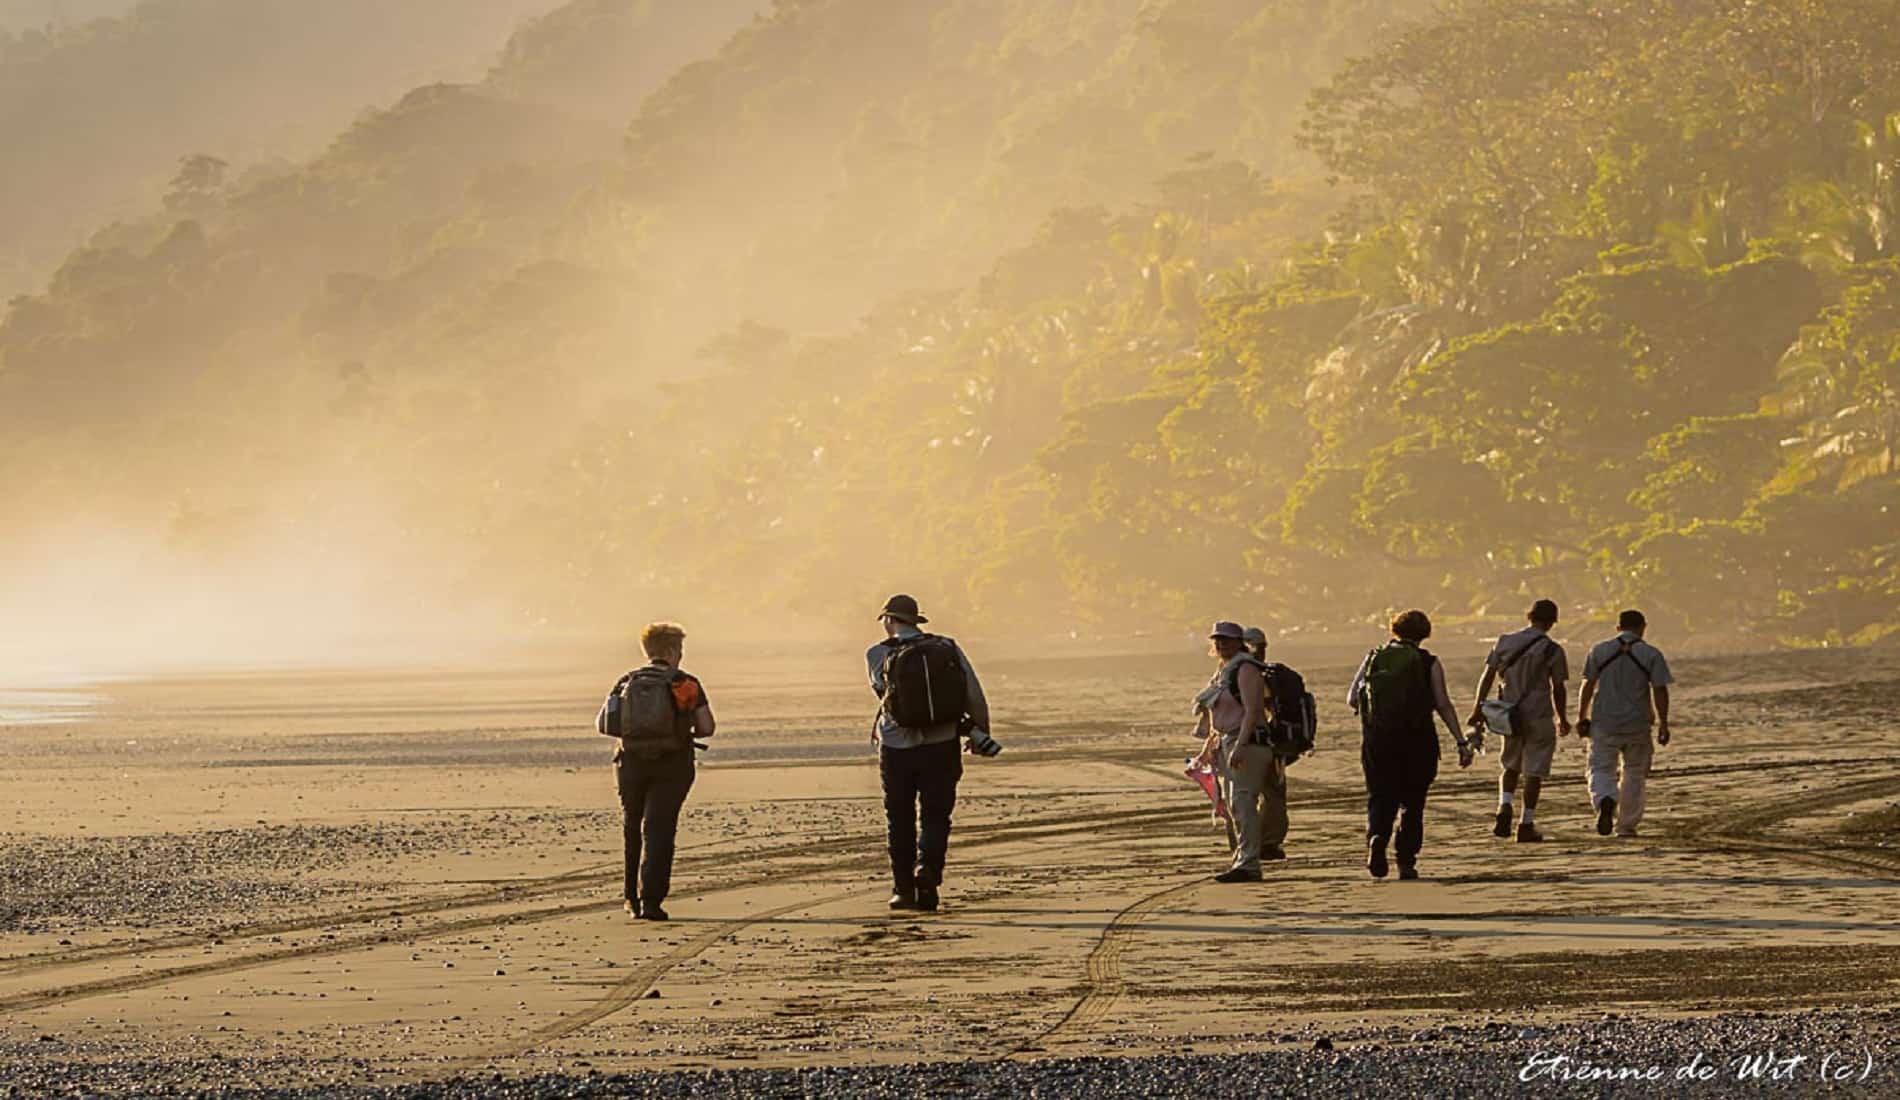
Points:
(1229, 709)
(920, 765)
(1625, 694)
(1532, 667)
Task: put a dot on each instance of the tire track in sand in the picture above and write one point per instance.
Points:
(869, 856)
(1105, 966)
(638, 982)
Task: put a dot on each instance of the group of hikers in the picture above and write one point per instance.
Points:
(1253, 719)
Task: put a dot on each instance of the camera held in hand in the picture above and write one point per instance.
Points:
(980, 741)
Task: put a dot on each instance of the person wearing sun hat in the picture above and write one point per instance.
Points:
(928, 695)
(1229, 709)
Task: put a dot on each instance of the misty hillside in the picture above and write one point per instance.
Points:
(95, 115)
(21, 15)
(1124, 313)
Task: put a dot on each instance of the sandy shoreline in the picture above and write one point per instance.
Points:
(320, 881)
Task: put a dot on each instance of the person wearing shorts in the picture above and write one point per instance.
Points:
(1532, 669)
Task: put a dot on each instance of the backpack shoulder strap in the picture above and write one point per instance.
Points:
(1232, 675)
(1525, 652)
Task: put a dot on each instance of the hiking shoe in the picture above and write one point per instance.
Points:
(1375, 857)
(1273, 854)
(652, 912)
(1503, 825)
(1606, 816)
(927, 898)
(1626, 832)
(1237, 874)
(903, 899)
(1528, 834)
(1407, 871)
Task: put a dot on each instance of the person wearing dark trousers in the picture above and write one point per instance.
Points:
(656, 711)
(930, 697)
(1397, 690)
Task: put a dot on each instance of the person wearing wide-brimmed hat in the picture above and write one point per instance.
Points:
(1231, 707)
(930, 695)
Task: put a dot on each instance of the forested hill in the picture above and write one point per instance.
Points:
(27, 15)
(1122, 314)
(95, 113)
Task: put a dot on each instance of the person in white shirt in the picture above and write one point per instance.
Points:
(1625, 695)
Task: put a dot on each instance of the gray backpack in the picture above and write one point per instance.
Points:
(649, 720)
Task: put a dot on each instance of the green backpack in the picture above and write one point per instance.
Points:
(1397, 699)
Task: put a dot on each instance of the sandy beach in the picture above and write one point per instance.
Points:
(402, 879)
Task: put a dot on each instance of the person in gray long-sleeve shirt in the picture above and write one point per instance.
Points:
(921, 762)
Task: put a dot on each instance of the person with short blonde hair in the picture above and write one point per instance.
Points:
(656, 712)
(663, 640)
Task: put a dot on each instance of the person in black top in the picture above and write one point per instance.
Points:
(1397, 691)
(656, 712)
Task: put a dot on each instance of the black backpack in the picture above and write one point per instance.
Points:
(1397, 698)
(646, 719)
(1294, 723)
(924, 682)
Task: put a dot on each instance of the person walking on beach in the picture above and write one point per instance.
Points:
(1625, 693)
(1232, 707)
(656, 711)
(930, 695)
(1532, 668)
(1398, 688)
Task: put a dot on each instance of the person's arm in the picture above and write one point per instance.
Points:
(1560, 698)
(1661, 692)
(874, 662)
(1485, 682)
(1357, 691)
(977, 705)
(1204, 729)
(1583, 706)
(600, 720)
(1441, 697)
(1253, 692)
(703, 724)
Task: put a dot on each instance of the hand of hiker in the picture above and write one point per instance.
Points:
(1662, 733)
(1465, 755)
(1563, 727)
(1583, 727)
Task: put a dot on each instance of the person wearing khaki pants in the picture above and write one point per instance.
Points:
(1625, 695)
(1233, 705)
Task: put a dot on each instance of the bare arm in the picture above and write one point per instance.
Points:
(1441, 698)
(1485, 682)
(1204, 729)
(1661, 693)
(1560, 698)
(1253, 698)
(1583, 704)
(703, 724)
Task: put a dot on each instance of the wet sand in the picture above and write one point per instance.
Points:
(320, 879)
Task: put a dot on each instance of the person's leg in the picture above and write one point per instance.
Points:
(1603, 760)
(1273, 819)
(942, 768)
(900, 815)
(1382, 804)
(1638, 752)
(632, 783)
(1411, 799)
(1250, 780)
(1224, 786)
(672, 778)
(1510, 759)
(1538, 752)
